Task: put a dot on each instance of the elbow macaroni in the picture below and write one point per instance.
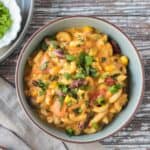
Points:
(77, 82)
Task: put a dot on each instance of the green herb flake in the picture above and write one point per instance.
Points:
(54, 44)
(80, 75)
(70, 131)
(41, 93)
(61, 99)
(63, 88)
(93, 72)
(95, 125)
(69, 103)
(53, 78)
(85, 64)
(100, 101)
(114, 89)
(5, 20)
(81, 59)
(70, 57)
(44, 65)
(88, 60)
(77, 110)
(39, 83)
(67, 76)
(73, 93)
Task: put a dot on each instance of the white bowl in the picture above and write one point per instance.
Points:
(15, 13)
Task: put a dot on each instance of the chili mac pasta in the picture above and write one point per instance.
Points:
(77, 80)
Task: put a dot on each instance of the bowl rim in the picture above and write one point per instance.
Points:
(40, 30)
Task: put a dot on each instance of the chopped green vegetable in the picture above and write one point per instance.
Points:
(85, 59)
(70, 57)
(63, 88)
(93, 72)
(114, 89)
(69, 103)
(85, 64)
(70, 131)
(67, 76)
(61, 99)
(88, 60)
(104, 75)
(54, 44)
(73, 93)
(5, 20)
(80, 75)
(78, 110)
(52, 78)
(42, 92)
(39, 83)
(87, 70)
(95, 125)
(100, 101)
(81, 60)
(44, 65)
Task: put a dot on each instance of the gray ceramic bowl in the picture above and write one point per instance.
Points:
(136, 75)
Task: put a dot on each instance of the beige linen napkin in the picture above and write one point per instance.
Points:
(17, 132)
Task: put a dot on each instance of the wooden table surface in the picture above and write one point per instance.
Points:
(133, 16)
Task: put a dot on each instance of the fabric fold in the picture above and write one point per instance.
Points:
(27, 135)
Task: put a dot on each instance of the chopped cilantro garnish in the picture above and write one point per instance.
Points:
(93, 72)
(100, 101)
(95, 125)
(42, 92)
(88, 60)
(70, 131)
(81, 60)
(67, 76)
(114, 89)
(44, 65)
(73, 93)
(61, 99)
(63, 88)
(53, 44)
(85, 64)
(80, 75)
(52, 78)
(70, 57)
(78, 110)
(39, 83)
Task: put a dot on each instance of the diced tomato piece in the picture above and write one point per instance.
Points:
(94, 95)
(110, 81)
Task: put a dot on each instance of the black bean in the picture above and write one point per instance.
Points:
(115, 46)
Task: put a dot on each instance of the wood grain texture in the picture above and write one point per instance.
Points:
(133, 16)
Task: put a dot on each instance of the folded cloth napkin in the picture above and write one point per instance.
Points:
(17, 132)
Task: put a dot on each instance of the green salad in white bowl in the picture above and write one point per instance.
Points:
(10, 21)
